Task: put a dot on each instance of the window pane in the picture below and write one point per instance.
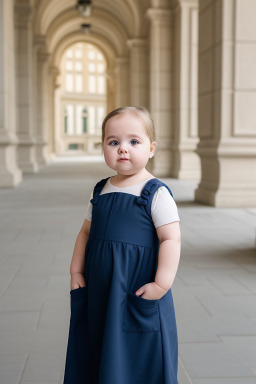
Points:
(91, 67)
(79, 66)
(101, 84)
(78, 53)
(69, 82)
(69, 65)
(99, 56)
(91, 55)
(70, 53)
(79, 83)
(92, 84)
(101, 67)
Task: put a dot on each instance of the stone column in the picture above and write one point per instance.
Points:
(41, 58)
(53, 73)
(186, 163)
(160, 16)
(227, 100)
(10, 174)
(58, 126)
(25, 102)
(122, 75)
(111, 87)
(139, 76)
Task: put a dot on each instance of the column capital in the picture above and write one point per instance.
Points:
(121, 60)
(160, 3)
(137, 42)
(43, 56)
(39, 41)
(159, 15)
(185, 3)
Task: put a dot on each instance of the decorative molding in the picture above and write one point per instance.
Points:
(160, 3)
(157, 15)
(43, 56)
(137, 42)
(121, 60)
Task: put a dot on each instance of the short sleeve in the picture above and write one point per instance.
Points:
(88, 212)
(163, 208)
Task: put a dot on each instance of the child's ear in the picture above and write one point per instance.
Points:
(152, 148)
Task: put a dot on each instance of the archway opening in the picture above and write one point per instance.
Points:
(81, 100)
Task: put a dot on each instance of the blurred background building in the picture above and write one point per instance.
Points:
(65, 64)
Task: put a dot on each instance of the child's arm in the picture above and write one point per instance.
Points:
(168, 261)
(169, 254)
(77, 263)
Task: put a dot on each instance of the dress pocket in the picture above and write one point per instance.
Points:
(140, 315)
(77, 356)
(78, 304)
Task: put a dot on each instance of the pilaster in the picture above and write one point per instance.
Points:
(161, 86)
(227, 99)
(25, 104)
(186, 163)
(139, 72)
(122, 75)
(10, 174)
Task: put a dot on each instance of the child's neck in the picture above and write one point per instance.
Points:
(130, 180)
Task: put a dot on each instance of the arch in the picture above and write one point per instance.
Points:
(129, 13)
(102, 25)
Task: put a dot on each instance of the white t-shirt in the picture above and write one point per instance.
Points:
(163, 207)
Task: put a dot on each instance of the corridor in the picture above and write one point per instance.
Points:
(214, 289)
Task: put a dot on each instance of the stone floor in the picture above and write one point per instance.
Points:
(214, 290)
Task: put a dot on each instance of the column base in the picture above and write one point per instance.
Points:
(228, 176)
(233, 198)
(186, 163)
(42, 157)
(10, 174)
(26, 154)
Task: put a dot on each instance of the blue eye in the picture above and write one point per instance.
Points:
(114, 141)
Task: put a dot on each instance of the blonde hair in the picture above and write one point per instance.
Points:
(141, 112)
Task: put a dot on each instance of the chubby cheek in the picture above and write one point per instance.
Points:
(109, 155)
(141, 157)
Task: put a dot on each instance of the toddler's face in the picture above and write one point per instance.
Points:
(126, 137)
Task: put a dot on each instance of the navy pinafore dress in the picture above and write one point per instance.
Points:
(115, 336)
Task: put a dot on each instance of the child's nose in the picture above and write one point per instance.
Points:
(122, 148)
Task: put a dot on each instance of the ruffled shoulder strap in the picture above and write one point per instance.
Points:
(148, 192)
(97, 189)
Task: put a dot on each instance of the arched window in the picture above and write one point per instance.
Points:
(83, 91)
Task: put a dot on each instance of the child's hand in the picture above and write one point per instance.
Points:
(77, 280)
(151, 291)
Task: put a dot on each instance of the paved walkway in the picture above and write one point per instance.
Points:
(214, 290)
